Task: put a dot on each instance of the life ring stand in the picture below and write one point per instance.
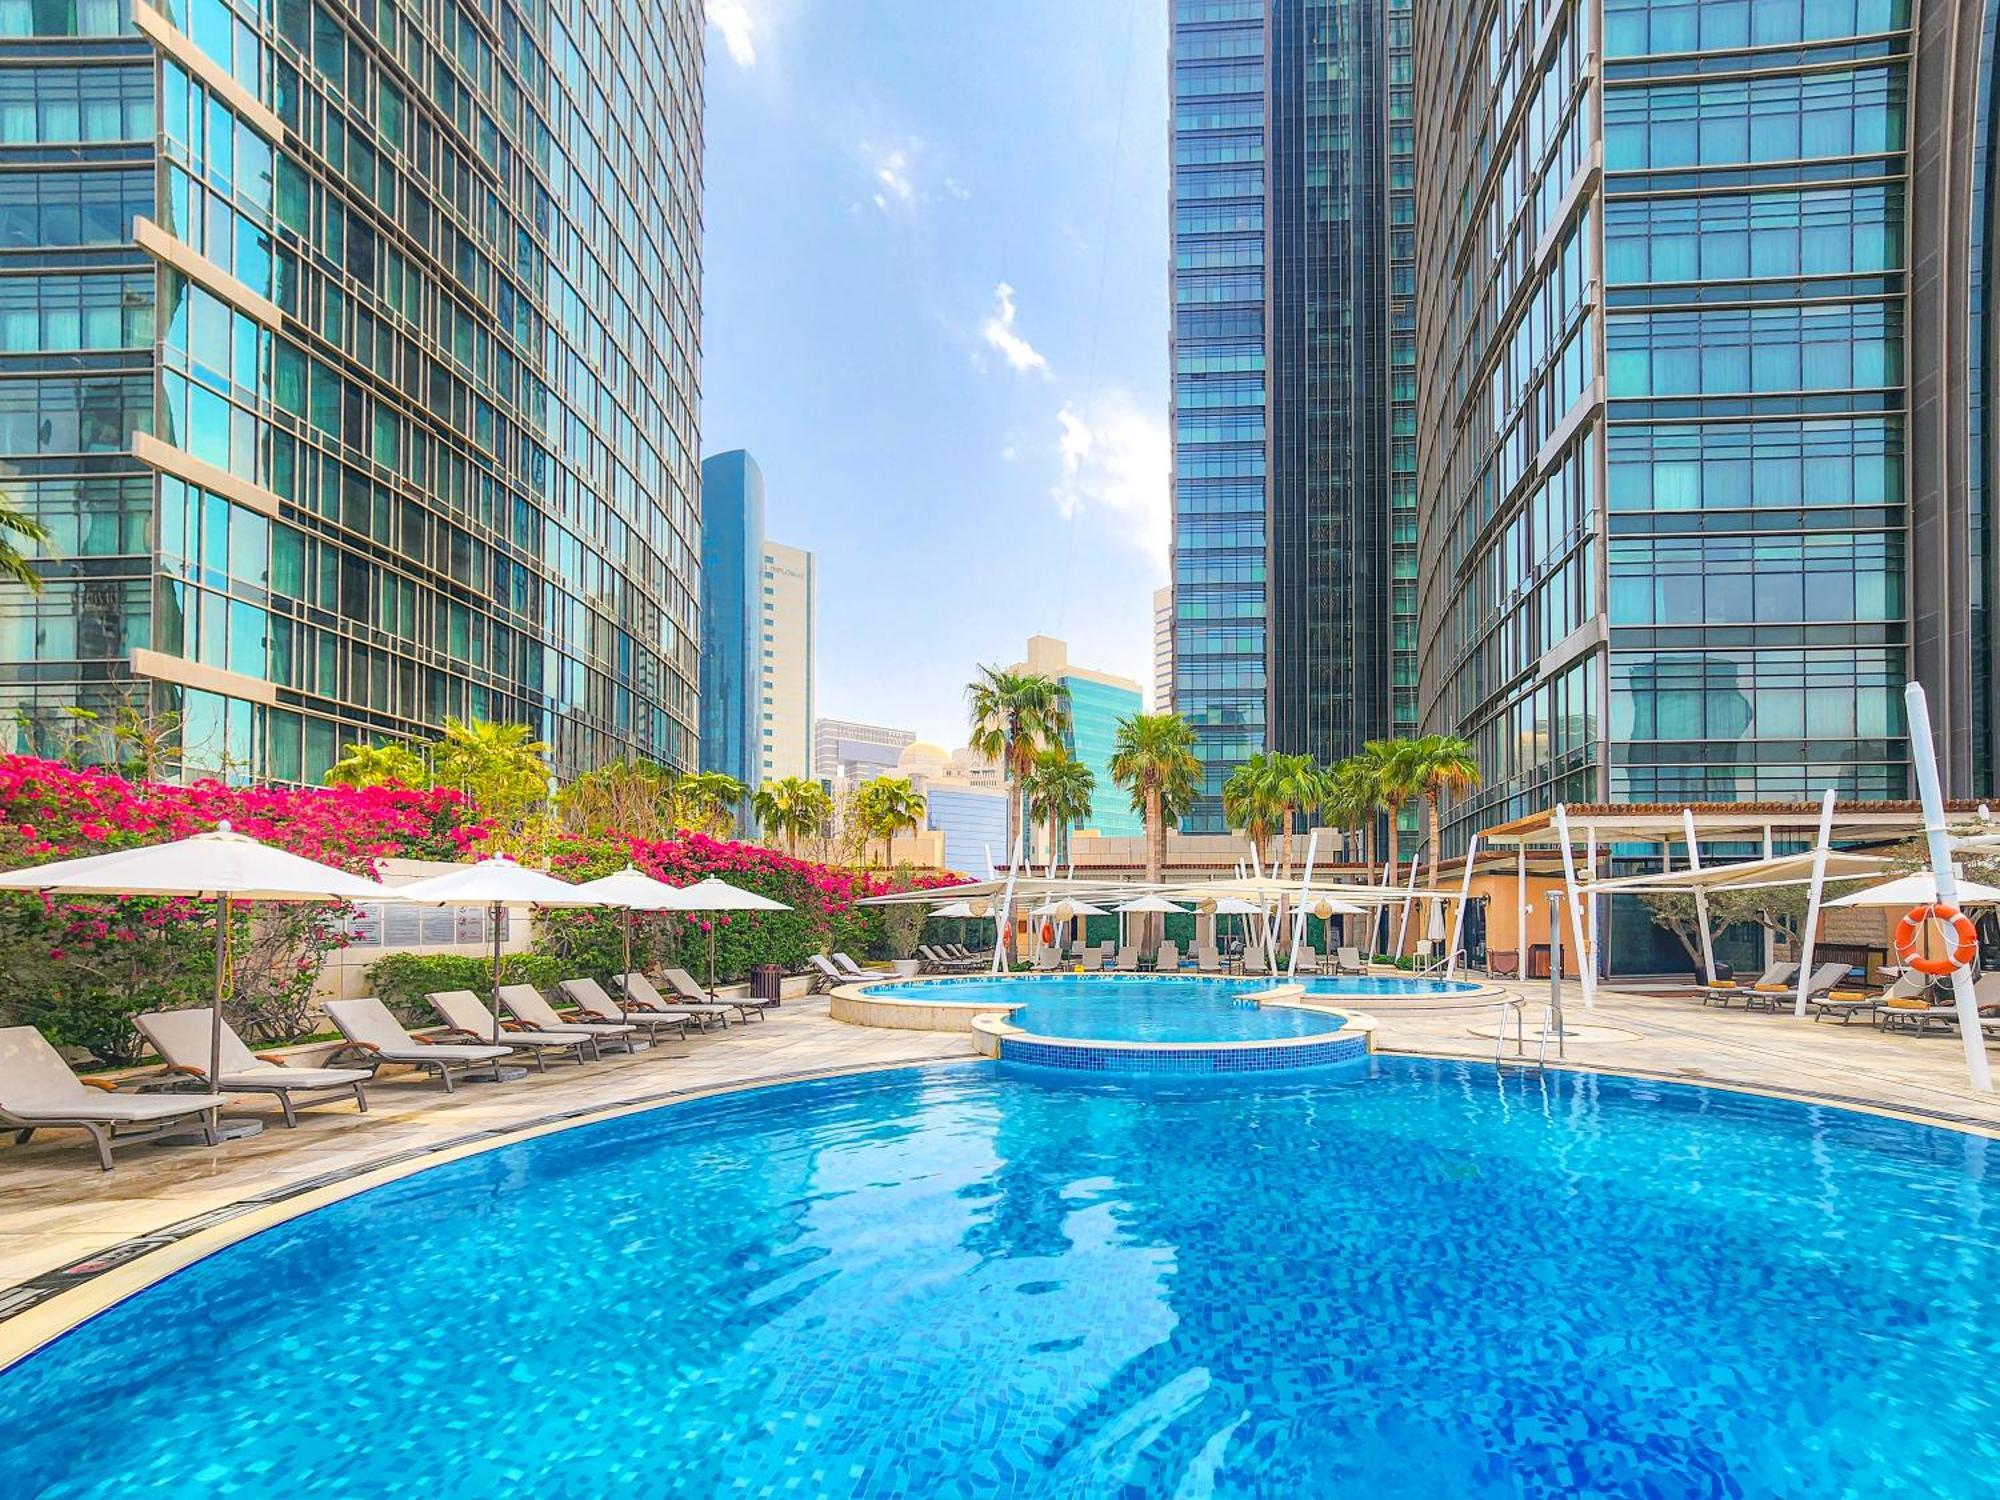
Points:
(1962, 945)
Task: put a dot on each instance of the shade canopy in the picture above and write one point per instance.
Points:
(1157, 905)
(961, 909)
(719, 895)
(1236, 906)
(1325, 906)
(1064, 911)
(207, 866)
(1919, 890)
(496, 881)
(632, 889)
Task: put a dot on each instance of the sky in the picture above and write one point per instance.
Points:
(934, 309)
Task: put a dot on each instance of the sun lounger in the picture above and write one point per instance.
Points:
(467, 1015)
(1308, 959)
(181, 1037)
(530, 1008)
(590, 998)
(1254, 961)
(687, 988)
(38, 1091)
(1847, 1004)
(1207, 959)
(1167, 958)
(1348, 961)
(1774, 980)
(380, 1038)
(1048, 960)
(1091, 960)
(947, 960)
(854, 970)
(640, 992)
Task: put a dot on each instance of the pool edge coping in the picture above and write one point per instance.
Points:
(157, 1254)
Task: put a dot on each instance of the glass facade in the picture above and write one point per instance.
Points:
(732, 615)
(1220, 387)
(1095, 709)
(352, 357)
(1664, 515)
(1294, 378)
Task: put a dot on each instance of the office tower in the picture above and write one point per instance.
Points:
(353, 365)
(786, 648)
(964, 802)
(1098, 701)
(1703, 480)
(1163, 650)
(1292, 258)
(732, 614)
(846, 753)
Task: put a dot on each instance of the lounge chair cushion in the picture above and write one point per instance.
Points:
(36, 1084)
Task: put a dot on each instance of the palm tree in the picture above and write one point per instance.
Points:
(1059, 793)
(1154, 756)
(499, 767)
(1016, 716)
(1441, 763)
(1349, 798)
(886, 807)
(15, 522)
(792, 808)
(631, 797)
(708, 801)
(1294, 789)
(1391, 777)
(1249, 801)
(393, 764)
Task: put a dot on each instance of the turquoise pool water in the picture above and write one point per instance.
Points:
(1427, 1281)
(1141, 1008)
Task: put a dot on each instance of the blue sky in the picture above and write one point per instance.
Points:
(935, 310)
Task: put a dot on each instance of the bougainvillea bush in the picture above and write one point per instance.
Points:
(80, 968)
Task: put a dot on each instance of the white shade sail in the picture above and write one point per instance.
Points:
(1158, 905)
(1063, 911)
(1236, 906)
(632, 889)
(207, 867)
(496, 881)
(1918, 890)
(719, 895)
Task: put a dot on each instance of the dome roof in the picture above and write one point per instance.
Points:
(921, 755)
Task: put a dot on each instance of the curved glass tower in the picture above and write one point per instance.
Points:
(352, 360)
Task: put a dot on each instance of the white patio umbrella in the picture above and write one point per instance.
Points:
(1063, 911)
(1236, 906)
(719, 895)
(956, 910)
(1148, 905)
(630, 889)
(224, 867)
(1919, 890)
(494, 882)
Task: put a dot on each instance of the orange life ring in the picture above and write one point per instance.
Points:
(1964, 939)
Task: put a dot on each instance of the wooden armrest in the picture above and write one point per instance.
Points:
(188, 1068)
(273, 1058)
(371, 1049)
(99, 1083)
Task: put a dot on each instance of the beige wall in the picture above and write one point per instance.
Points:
(788, 625)
(384, 929)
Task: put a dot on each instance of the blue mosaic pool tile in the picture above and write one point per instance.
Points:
(1088, 1057)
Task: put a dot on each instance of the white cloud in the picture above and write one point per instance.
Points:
(1116, 462)
(738, 27)
(892, 177)
(999, 332)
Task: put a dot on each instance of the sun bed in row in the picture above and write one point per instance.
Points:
(39, 1091)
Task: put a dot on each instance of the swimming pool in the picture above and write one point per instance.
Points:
(1157, 1008)
(1431, 1280)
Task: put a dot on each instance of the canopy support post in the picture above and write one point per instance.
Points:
(1458, 921)
(1299, 917)
(1700, 896)
(1409, 895)
(1923, 754)
(1590, 901)
(1575, 905)
(1521, 909)
(1817, 888)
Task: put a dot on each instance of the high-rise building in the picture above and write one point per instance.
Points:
(1294, 442)
(352, 361)
(965, 802)
(846, 753)
(732, 614)
(1097, 702)
(786, 663)
(1704, 477)
(1163, 650)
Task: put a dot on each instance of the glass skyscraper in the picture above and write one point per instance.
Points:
(352, 360)
(732, 565)
(1294, 568)
(1695, 383)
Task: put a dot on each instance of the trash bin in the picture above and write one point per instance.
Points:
(767, 982)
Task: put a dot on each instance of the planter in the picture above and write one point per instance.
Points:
(906, 968)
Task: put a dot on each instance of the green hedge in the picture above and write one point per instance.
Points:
(402, 980)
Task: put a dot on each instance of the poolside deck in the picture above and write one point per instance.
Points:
(59, 1210)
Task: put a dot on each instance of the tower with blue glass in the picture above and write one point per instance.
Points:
(732, 560)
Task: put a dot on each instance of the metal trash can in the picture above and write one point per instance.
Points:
(767, 982)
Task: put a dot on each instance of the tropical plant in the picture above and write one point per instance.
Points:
(1016, 716)
(498, 767)
(1350, 799)
(1059, 789)
(887, 806)
(1249, 802)
(1153, 756)
(1390, 775)
(391, 764)
(1440, 764)
(708, 801)
(634, 797)
(793, 808)
(16, 522)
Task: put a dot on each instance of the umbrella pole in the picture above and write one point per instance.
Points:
(624, 993)
(711, 958)
(496, 982)
(222, 917)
